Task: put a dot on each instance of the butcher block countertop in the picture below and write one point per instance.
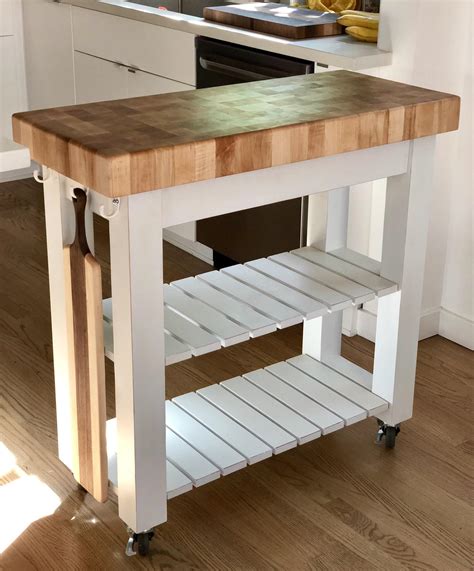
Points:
(135, 145)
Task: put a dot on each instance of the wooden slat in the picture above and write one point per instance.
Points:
(177, 483)
(197, 339)
(357, 259)
(308, 306)
(188, 460)
(107, 309)
(380, 285)
(327, 421)
(283, 315)
(175, 351)
(203, 440)
(303, 430)
(372, 403)
(201, 314)
(358, 293)
(349, 370)
(329, 297)
(239, 312)
(277, 438)
(319, 392)
(248, 445)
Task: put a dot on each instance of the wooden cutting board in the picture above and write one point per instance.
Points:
(276, 19)
(87, 374)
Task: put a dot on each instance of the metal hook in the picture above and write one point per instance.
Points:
(115, 211)
(40, 178)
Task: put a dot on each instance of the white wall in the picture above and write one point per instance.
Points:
(431, 41)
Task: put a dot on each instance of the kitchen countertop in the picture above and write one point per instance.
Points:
(338, 51)
(135, 145)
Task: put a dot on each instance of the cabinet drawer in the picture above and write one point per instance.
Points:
(162, 51)
(98, 79)
(6, 18)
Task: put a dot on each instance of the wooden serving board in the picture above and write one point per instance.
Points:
(87, 374)
(276, 19)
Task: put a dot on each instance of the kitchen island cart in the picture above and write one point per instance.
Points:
(152, 162)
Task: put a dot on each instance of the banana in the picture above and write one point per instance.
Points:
(339, 5)
(374, 15)
(318, 5)
(363, 34)
(356, 20)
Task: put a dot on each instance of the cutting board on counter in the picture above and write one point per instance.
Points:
(276, 19)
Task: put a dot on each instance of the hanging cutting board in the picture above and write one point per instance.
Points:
(87, 374)
(276, 19)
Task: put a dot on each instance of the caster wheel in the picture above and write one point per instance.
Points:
(388, 434)
(143, 542)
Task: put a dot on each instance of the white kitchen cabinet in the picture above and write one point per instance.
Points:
(6, 18)
(48, 53)
(155, 49)
(98, 79)
(143, 83)
(11, 95)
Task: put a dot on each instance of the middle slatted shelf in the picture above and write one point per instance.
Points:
(221, 308)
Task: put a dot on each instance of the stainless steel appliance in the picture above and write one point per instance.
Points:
(257, 232)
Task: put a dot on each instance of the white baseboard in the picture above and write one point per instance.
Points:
(456, 328)
(18, 174)
(367, 320)
(434, 321)
(194, 248)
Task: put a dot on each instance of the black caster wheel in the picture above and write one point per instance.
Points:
(388, 434)
(141, 541)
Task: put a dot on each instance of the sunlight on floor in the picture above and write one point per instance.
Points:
(23, 499)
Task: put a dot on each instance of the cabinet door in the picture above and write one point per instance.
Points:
(98, 79)
(11, 99)
(48, 53)
(6, 18)
(142, 83)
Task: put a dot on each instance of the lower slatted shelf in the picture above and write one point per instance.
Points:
(221, 308)
(223, 428)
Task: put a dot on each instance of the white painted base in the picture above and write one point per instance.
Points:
(456, 328)
(434, 321)
(18, 174)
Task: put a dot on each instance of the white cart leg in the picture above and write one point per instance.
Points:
(137, 297)
(60, 228)
(327, 230)
(403, 259)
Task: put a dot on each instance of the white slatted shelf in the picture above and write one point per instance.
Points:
(357, 259)
(223, 428)
(283, 315)
(221, 308)
(363, 277)
(241, 313)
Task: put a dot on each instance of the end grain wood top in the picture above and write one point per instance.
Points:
(135, 145)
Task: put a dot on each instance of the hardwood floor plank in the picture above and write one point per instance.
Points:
(338, 503)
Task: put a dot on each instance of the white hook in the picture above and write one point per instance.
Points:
(40, 178)
(115, 211)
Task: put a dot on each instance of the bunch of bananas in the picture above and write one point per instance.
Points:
(332, 5)
(363, 26)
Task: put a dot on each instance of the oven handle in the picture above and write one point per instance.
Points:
(231, 70)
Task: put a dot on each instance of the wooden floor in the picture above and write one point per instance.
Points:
(340, 502)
